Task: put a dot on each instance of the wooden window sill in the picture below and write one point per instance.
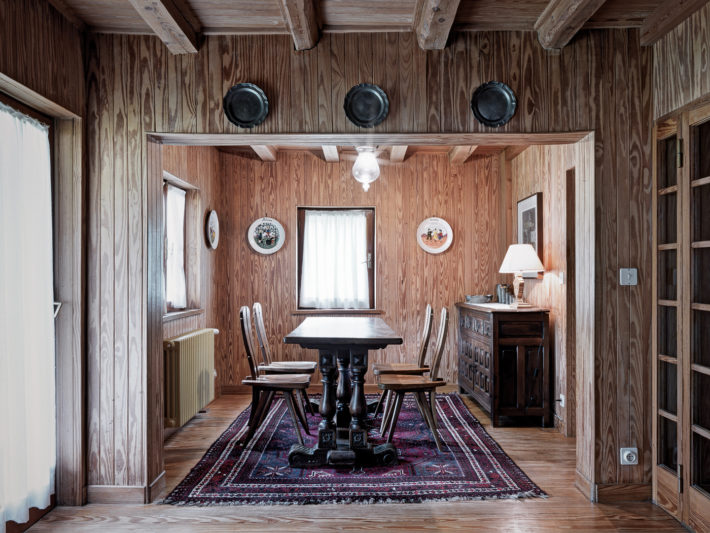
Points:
(177, 315)
(350, 312)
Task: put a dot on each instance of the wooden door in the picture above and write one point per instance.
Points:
(668, 290)
(695, 430)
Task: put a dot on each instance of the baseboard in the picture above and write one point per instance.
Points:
(585, 486)
(155, 488)
(623, 492)
(234, 389)
(115, 494)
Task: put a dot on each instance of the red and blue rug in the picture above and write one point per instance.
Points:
(472, 467)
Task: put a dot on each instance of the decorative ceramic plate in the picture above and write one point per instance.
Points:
(212, 229)
(434, 235)
(266, 235)
(366, 105)
(493, 104)
(246, 105)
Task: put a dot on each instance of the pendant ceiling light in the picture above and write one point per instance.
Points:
(366, 170)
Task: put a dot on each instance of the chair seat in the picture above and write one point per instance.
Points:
(289, 367)
(397, 382)
(279, 381)
(399, 368)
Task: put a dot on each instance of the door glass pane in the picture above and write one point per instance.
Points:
(700, 345)
(700, 403)
(667, 274)
(701, 463)
(701, 145)
(667, 162)
(668, 387)
(667, 328)
(667, 220)
(667, 443)
(701, 276)
(701, 214)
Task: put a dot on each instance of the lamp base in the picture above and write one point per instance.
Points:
(519, 291)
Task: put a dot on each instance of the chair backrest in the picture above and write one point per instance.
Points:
(426, 334)
(261, 334)
(248, 337)
(440, 343)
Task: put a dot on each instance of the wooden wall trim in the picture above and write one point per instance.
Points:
(623, 492)
(116, 494)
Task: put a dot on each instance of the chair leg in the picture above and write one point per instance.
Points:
(300, 411)
(432, 408)
(421, 408)
(379, 404)
(288, 395)
(306, 399)
(387, 412)
(430, 419)
(265, 399)
(395, 415)
(254, 404)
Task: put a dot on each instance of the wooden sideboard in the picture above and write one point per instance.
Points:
(504, 359)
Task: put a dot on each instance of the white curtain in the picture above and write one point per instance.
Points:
(334, 267)
(175, 291)
(27, 367)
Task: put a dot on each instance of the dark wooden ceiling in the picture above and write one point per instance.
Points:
(181, 23)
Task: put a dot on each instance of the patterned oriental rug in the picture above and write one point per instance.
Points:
(473, 466)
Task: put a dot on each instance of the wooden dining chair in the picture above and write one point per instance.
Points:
(417, 368)
(400, 385)
(271, 367)
(265, 387)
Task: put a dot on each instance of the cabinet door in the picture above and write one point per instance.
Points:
(667, 320)
(696, 311)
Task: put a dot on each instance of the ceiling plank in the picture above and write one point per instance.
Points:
(459, 154)
(266, 153)
(397, 153)
(432, 22)
(330, 153)
(514, 151)
(302, 22)
(667, 16)
(562, 19)
(68, 13)
(173, 22)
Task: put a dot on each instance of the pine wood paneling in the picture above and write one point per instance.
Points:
(594, 67)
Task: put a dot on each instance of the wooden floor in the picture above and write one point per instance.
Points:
(545, 455)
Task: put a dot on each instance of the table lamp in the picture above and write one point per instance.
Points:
(520, 258)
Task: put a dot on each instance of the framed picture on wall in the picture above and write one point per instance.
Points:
(530, 225)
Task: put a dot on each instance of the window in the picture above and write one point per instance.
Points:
(336, 258)
(175, 282)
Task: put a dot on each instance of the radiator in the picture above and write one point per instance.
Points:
(189, 374)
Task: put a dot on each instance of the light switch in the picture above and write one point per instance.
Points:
(628, 276)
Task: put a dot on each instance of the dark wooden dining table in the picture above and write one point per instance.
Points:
(343, 344)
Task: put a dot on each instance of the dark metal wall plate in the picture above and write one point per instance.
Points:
(246, 105)
(493, 104)
(366, 105)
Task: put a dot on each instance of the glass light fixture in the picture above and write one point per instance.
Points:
(366, 170)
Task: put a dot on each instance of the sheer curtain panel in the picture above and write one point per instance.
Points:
(175, 287)
(27, 374)
(334, 265)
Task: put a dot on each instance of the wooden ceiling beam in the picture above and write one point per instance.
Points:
(667, 16)
(68, 13)
(397, 153)
(266, 153)
(459, 154)
(302, 21)
(514, 151)
(432, 22)
(562, 19)
(173, 22)
(330, 153)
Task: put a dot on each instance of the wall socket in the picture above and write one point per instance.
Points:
(628, 276)
(629, 456)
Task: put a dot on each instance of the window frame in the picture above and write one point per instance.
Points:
(371, 250)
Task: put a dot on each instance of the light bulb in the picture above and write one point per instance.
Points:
(366, 170)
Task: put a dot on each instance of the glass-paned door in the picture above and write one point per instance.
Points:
(666, 343)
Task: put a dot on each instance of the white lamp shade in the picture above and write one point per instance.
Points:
(521, 258)
(366, 170)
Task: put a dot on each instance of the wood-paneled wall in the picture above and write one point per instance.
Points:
(681, 62)
(407, 278)
(601, 82)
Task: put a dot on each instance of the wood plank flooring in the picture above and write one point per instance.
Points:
(545, 455)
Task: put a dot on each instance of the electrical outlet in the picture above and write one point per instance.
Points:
(629, 456)
(562, 400)
(628, 276)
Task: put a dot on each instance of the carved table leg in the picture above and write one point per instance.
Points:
(358, 407)
(342, 416)
(326, 431)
